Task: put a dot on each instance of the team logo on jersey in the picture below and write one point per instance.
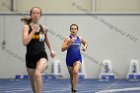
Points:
(40, 37)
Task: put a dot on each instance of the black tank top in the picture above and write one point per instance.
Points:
(36, 45)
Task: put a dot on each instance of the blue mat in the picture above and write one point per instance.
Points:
(63, 86)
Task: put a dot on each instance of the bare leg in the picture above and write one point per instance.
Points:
(70, 69)
(41, 64)
(31, 75)
(76, 67)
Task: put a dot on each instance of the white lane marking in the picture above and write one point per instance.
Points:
(119, 90)
(111, 85)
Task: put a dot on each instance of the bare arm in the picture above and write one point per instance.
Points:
(48, 42)
(66, 43)
(53, 54)
(84, 42)
(26, 37)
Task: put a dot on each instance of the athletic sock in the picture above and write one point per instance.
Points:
(74, 91)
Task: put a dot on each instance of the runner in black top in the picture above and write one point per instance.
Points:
(34, 36)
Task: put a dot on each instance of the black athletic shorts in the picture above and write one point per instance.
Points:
(31, 60)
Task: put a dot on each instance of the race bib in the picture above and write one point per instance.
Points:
(41, 37)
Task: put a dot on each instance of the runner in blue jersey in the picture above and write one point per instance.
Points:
(72, 44)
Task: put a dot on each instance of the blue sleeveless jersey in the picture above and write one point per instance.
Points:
(73, 52)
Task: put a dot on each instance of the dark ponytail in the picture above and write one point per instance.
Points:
(26, 20)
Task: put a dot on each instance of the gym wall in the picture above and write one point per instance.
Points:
(104, 42)
(65, 6)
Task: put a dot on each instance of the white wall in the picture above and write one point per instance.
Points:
(118, 5)
(51, 6)
(104, 43)
(4, 4)
(65, 6)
